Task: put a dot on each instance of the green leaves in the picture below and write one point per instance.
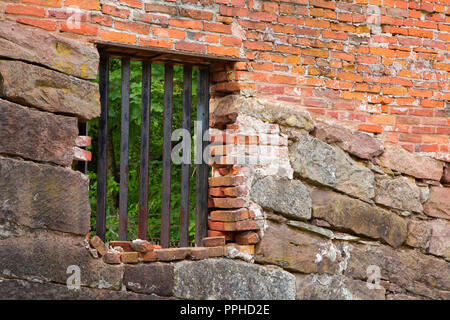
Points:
(155, 153)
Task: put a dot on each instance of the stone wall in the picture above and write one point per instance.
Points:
(334, 205)
(45, 89)
(311, 207)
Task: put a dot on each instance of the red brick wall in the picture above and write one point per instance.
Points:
(383, 64)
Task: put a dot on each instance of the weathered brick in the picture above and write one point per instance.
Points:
(247, 237)
(125, 245)
(172, 254)
(229, 236)
(129, 257)
(112, 258)
(199, 253)
(233, 226)
(213, 241)
(229, 215)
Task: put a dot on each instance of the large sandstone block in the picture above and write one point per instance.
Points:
(440, 238)
(229, 107)
(16, 289)
(48, 90)
(155, 278)
(76, 58)
(296, 250)
(438, 204)
(337, 287)
(36, 135)
(313, 159)
(44, 196)
(46, 258)
(398, 159)
(357, 143)
(359, 217)
(399, 193)
(289, 197)
(409, 269)
(225, 279)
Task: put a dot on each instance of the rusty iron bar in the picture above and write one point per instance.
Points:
(201, 218)
(102, 147)
(145, 140)
(185, 165)
(124, 149)
(167, 149)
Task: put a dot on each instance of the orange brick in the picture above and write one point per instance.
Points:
(118, 36)
(27, 10)
(229, 236)
(114, 11)
(232, 226)
(229, 215)
(86, 29)
(247, 237)
(186, 24)
(49, 25)
(132, 26)
(370, 128)
(47, 3)
(213, 241)
(382, 119)
(83, 4)
(160, 43)
(168, 33)
(190, 46)
(132, 3)
(217, 27)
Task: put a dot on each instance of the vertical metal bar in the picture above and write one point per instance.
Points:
(201, 219)
(102, 147)
(124, 141)
(184, 206)
(167, 146)
(145, 131)
(82, 166)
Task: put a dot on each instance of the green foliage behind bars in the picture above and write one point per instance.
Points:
(155, 156)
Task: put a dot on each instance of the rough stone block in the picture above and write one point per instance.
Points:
(46, 257)
(438, 204)
(36, 135)
(440, 238)
(44, 196)
(15, 289)
(330, 166)
(154, 278)
(327, 287)
(48, 90)
(73, 57)
(357, 143)
(398, 159)
(419, 234)
(362, 219)
(232, 280)
(399, 193)
(289, 197)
